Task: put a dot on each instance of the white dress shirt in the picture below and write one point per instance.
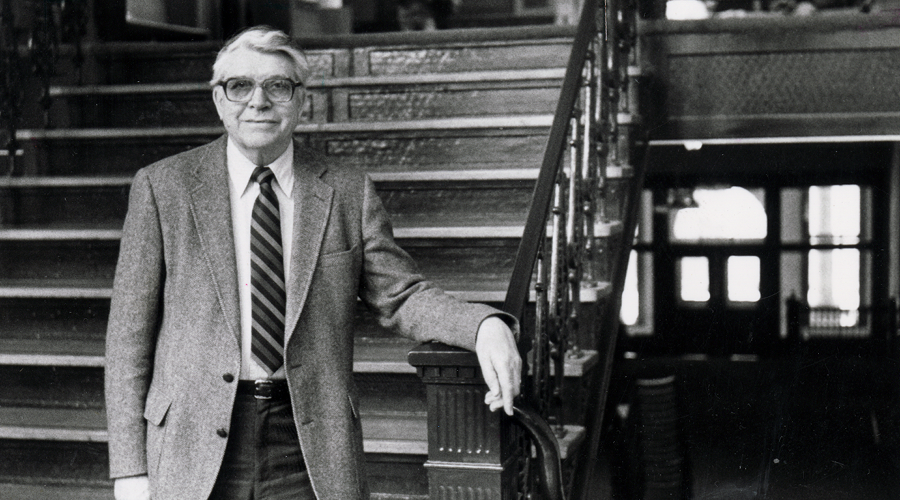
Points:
(243, 192)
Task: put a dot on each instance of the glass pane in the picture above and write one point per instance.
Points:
(743, 278)
(721, 214)
(630, 297)
(694, 278)
(834, 214)
(834, 279)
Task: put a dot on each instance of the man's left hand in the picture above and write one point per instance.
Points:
(500, 363)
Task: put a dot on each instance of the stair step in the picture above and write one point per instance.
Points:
(487, 122)
(61, 289)
(61, 91)
(40, 352)
(384, 432)
(51, 233)
(394, 433)
(403, 229)
(53, 424)
(484, 291)
(76, 492)
(352, 99)
(392, 178)
(411, 149)
(65, 491)
(447, 51)
(370, 355)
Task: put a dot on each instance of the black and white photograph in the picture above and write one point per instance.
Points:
(450, 249)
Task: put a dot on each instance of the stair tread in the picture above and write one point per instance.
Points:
(14, 491)
(487, 290)
(442, 176)
(71, 181)
(56, 352)
(502, 75)
(56, 288)
(404, 228)
(398, 432)
(370, 355)
(67, 491)
(481, 122)
(61, 232)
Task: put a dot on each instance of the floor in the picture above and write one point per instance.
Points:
(823, 429)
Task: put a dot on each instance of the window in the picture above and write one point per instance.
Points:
(743, 278)
(693, 274)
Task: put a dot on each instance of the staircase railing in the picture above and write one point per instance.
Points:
(477, 454)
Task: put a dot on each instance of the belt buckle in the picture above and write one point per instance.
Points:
(263, 389)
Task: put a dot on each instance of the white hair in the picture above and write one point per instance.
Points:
(267, 40)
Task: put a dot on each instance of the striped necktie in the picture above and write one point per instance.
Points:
(267, 291)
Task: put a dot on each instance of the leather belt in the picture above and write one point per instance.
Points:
(264, 389)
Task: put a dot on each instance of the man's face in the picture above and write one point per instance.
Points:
(260, 127)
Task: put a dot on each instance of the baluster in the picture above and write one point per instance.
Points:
(43, 48)
(604, 113)
(73, 28)
(589, 174)
(540, 355)
(10, 83)
(559, 293)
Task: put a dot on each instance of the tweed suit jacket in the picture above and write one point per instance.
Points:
(173, 340)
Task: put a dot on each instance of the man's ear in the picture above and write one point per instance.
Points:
(218, 98)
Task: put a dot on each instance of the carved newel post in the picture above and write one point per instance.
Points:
(472, 452)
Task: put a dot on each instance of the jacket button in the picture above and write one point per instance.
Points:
(228, 378)
(222, 433)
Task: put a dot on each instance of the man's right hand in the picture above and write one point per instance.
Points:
(132, 488)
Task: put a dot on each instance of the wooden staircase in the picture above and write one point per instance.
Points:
(451, 130)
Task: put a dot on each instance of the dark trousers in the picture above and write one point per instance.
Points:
(263, 460)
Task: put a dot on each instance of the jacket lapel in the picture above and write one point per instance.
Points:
(211, 207)
(312, 207)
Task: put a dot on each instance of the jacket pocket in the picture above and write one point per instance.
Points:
(337, 258)
(155, 411)
(156, 407)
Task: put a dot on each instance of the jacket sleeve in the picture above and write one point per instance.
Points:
(132, 329)
(402, 299)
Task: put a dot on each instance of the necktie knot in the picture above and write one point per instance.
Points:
(263, 175)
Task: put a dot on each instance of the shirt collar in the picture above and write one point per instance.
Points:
(240, 168)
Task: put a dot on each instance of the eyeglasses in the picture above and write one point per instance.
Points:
(277, 90)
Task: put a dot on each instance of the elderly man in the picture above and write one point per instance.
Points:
(230, 339)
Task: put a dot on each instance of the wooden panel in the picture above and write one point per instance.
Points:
(364, 103)
(430, 206)
(374, 150)
(192, 66)
(419, 102)
(789, 79)
(456, 58)
(822, 81)
(453, 150)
